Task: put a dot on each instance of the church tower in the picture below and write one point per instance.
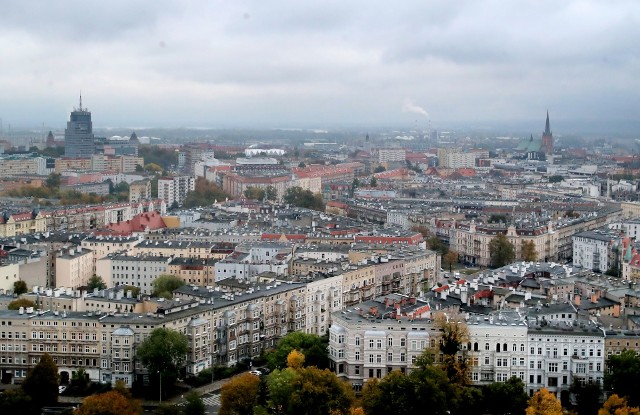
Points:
(547, 138)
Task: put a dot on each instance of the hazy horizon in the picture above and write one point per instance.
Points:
(326, 65)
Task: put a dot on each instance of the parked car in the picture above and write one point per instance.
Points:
(256, 372)
(62, 388)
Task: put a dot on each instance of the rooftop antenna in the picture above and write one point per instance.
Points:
(80, 109)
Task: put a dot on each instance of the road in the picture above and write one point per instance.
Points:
(211, 402)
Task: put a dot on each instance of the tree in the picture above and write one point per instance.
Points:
(587, 396)
(194, 404)
(153, 168)
(529, 253)
(373, 182)
(271, 193)
(240, 395)
(544, 402)
(297, 196)
(139, 168)
(20, 302)
(308, 390)
(41, 383)
(624, 376)
(556, 179)
(435, 244)
(450, 258)
(616, 405)
(205, 193)
(453, 334)
(497, 219)
(379, 169)
(53, 181)
(96, 282)
(80, 380)
(15, 401)
(501, 251)
(313, 347)
(165, 284)
(508, 397)
(302, 165)
(20, 287)
(109, 403)
(163, 353)
(394, 394)
(255, 193)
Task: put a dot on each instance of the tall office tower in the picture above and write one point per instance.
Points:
(78, 137)
(547, 139)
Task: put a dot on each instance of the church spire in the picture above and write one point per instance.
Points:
(547, 128)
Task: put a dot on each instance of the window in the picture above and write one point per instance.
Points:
(390, 341)
(379, 344)
(357, 355)
(553, 367)
(389, 357)
(371, 343)
(357, 340)
(371, 358)
(403, 342)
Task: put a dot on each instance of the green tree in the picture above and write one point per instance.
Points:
(164, 353)
(20, 302)
(508, 397)
(373, 182)
(153, 168)
(302, 165)
(435, 244)
(556, 179)
(312, 346)
(379, 169)
(96, 282)
(297, 196)
(501, 251)
(240, 395)
(20, 287)
(354, 186)
(394, 394)
(624, 376)
(271, 193)
(205, 193)
(309, 390)
(41, 383)
(255, 193)
(544, 402)
(497, 219)
(80, 380)
(53, 181)
(15, 401)
(450, 258)
(453, 334)
(528, 250)
(194, 404)
(587, 396)
(165, 284)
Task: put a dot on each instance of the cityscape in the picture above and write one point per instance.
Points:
(169, 254)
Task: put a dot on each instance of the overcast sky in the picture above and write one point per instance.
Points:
(318, 64)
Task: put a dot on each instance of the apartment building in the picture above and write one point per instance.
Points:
(323, 298)
(74, 267)
(596, 250)
(140, 190)
(174, 189)
(140, 271)
(194, 271)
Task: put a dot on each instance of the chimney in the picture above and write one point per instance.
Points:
(386, 302)
(594, 298)
(576, 299)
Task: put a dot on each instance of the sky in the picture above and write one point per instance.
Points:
(318, 64)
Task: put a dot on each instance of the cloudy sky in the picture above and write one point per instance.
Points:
(318, 64)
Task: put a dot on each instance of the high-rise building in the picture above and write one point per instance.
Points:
(547, 139)
(78, 136)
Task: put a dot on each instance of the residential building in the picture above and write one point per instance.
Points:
(173, 190)
(140, 190)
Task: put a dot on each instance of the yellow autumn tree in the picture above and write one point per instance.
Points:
(295, 359)
(240, 395)
(544, 402)
(617, 405)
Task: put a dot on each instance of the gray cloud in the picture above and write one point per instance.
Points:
(291, 62)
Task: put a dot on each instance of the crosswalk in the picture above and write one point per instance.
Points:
(209, 400)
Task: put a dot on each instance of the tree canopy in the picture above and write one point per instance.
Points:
(164, 353)
(41, 383)
(20, 302)
(624, 376)
(297, 196)
(544, 402)
(109, 403)
(194, 404)
(164, 285)
(616, 405)
(255, 193)
(501, 251)
(508, 397)
(96, 282)
(529, 253)
(205, 193)
(20, 287)
(313, 347)
(240, 395)
(450, 258)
